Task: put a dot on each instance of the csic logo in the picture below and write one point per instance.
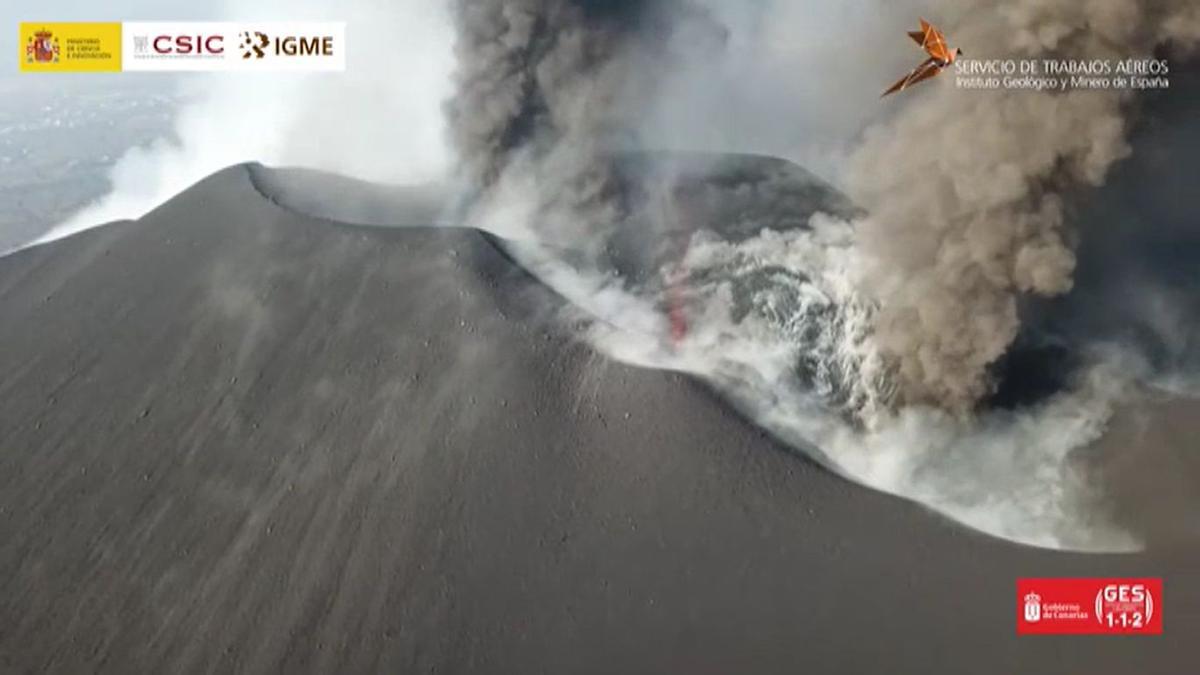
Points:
(42, 48)
(188, 45)
(167, 45)
(257, 45)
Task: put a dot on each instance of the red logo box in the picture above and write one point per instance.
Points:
(1089, 606)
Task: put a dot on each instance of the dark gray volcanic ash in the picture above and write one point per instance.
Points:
(319, 194)
(239, 439)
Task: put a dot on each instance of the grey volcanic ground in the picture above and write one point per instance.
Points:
(238, 439)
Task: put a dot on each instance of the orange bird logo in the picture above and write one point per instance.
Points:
(940, 57)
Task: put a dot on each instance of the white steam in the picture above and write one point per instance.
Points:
(380, 120)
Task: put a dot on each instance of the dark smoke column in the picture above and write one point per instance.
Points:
(547, 90)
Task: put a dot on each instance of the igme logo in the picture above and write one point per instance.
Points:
(310, 46)
(254, 44)
(257, 45)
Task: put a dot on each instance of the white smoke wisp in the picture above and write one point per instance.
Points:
(380, 120)
(788, 84)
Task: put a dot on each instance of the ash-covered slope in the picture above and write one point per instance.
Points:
(238, 439)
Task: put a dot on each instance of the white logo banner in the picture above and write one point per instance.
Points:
(230, 46)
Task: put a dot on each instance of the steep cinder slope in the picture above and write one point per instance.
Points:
(234, 439)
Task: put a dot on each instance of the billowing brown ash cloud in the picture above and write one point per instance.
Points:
(547, 91)
(969, 191)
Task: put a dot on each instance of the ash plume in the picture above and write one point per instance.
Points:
(547, 90)
(968, 190)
